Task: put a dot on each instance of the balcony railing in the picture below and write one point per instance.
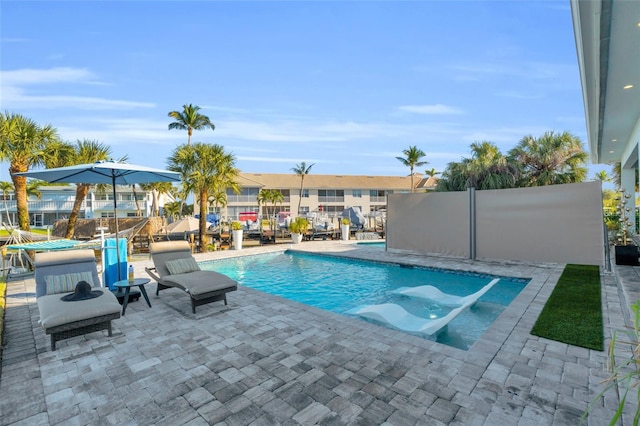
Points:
(331, 199)
(43, 206)
(49, 206)
(378, 199)
(122, 205)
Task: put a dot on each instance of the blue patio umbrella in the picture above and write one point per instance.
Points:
(106, 172)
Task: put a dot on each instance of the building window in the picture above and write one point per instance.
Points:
(331, 196)
(304, 210)
(379, 195)
(36, 219)
(332, 210)
(357, 193)
(106, 214)
(305, 193)
(247, 195)
(286, 195)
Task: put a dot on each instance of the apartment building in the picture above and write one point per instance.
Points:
(326, 194)
(56, 202)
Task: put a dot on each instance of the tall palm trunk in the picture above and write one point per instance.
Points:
(411, 170)
(81, 193)
(6, 207)
(135, 199)
(155, 208)
(300, 195)
(20, 185)
(202, 221)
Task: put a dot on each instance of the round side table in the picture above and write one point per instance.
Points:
(126, 285)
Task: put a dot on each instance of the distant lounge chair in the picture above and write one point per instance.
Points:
(175, 267)
(267, 234)
(431, 293)
(397, 317)
(57, 274)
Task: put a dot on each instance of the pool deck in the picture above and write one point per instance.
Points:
(263, 360)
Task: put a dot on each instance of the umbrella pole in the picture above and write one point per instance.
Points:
(115, 216)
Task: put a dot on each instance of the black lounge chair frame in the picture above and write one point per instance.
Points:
(55, 263)
(202, 286)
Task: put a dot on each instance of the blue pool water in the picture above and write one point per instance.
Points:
(338, 285)
(373, 244)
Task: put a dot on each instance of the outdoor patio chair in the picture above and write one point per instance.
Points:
(395, 316)
(175, 267)
(433, 294)
(57, 274)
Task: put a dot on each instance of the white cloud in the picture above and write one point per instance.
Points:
(123, 132)
(17, 98)
(551, 73)
(28, 76)
(430, 109)
(301, 131)
(14, 94)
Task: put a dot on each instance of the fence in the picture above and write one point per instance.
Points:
(558, 223)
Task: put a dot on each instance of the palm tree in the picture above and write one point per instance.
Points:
(85, 151)
(301, 170)
(59, 154)
(6, 188)
(211, 170)
(218, 198)
(616, 172)
(23, 144)
(135, 200)
(412, 159)
(33, 188)
(190, 119)
(172, 210)
(432, 172)
(602, 176)
(550, 159)
(185, 168)
(487, 168)
(274, 197)
(157, 189)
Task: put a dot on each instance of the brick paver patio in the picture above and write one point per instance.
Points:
(263, 360)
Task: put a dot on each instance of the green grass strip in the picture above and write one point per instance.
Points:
(573, 313)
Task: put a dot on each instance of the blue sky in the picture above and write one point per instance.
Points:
(344, 85)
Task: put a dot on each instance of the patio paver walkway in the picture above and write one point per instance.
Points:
(263, 360)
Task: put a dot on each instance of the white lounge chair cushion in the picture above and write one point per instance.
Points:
(433, 294)
(64, 283)
(55, 312)
(200, 283)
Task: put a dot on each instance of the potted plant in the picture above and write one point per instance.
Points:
(298, 227)
(345, 228)
(236, 230)
(626, 252)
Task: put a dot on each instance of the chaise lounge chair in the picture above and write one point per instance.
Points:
(433, 294)
(397, 317)
(175, 267)
(57, 274)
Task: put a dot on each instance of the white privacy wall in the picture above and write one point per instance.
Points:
(557, 223)
(434, 222)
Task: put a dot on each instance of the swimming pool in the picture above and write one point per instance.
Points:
(372, 244)
(339, 284)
